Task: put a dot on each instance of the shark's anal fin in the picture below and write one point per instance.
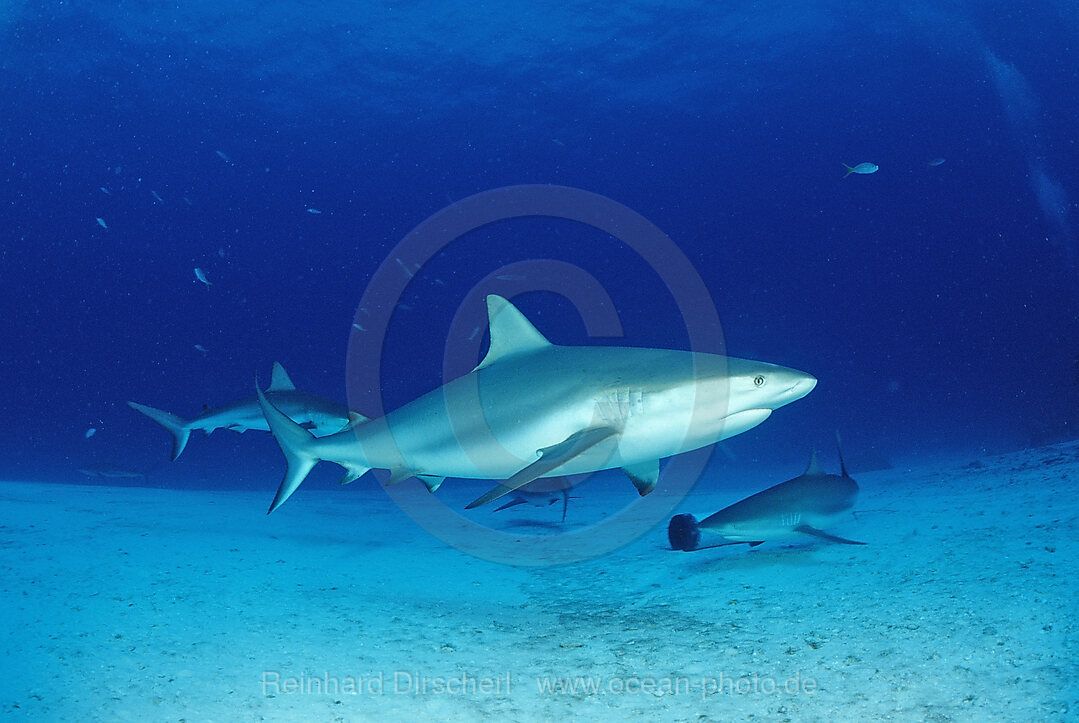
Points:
(814, 532)
(399, 475)
(644, 476)
(550, 458)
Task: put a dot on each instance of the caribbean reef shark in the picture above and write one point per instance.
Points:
(535, 409)
(789, 510)
(321, 416)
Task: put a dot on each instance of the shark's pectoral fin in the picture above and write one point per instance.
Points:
(813, 531)
(550, 458)
(644, 476)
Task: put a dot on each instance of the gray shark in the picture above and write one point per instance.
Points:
(321, 416)
(789, 510)
(535, 409)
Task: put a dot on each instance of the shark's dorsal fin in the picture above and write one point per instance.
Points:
(279, 381)
(839, 448)
(511, 332)
(814, 468)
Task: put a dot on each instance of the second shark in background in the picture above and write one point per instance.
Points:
(319, 416)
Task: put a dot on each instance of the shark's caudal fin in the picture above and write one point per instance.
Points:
(300, 448)
(179, 428)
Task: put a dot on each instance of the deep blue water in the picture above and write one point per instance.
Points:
(935, 304)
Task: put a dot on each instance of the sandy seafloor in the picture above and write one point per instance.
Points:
(149, 604)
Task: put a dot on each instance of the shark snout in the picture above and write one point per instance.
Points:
(795, 386)
(802, 386)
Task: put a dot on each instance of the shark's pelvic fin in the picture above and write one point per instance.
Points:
(279, 380)
(644, 476)
(300, 449)
(432, 482)
(550, 458)
(511, 333)
(813, 531)
(177, 427)
(400, 474)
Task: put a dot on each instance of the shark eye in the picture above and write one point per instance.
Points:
(758, 380)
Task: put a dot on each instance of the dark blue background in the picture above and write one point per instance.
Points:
(935, 304)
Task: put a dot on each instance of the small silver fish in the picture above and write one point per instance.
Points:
(157, 197)
(90, 432)
(200, 275)
(101, 222)
(936, 162)
(223, 157)
(106, 191)
(314, 211)
(862, 168)
(201, 349)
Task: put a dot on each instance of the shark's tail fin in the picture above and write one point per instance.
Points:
(179, 428)
(849, 170)
(301, 451)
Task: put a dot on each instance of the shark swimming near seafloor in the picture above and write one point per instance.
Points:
(319, 415)
(535, 409)
(799, 507)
